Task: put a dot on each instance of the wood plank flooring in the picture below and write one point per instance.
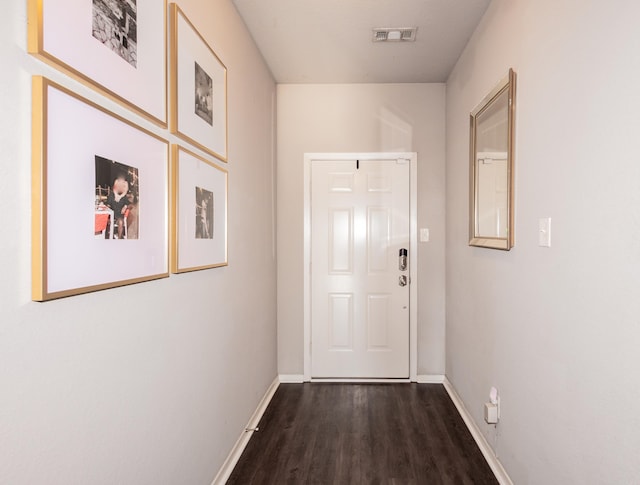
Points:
(362, 434)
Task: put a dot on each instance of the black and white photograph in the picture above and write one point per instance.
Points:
(110, 46)
(204, 213)
(117, 201)
(204, 95)
(199, 93)
(199, 242)
(115, 25)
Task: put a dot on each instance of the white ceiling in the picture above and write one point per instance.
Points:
(330, 41)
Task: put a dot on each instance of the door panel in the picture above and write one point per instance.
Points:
(359, 312)
(378, 239)
(340, 321)
(378, 313)
(341, 241)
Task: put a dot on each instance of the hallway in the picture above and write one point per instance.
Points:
(362, 434)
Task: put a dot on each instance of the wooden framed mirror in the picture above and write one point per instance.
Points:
(491, 219)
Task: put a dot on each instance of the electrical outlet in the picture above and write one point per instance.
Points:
(491, 413)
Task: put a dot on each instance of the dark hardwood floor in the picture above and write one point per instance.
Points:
(362, 434)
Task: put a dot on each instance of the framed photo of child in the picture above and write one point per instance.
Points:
(100, 197)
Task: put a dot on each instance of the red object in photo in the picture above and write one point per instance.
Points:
(101, 222)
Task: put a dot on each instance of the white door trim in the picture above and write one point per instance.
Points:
(413, 250)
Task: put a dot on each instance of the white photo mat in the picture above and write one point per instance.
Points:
(68, 256)
(193, 248)
(62, 33)
(188, 49)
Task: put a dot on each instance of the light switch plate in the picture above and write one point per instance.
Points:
(544, 232)
(424, 235)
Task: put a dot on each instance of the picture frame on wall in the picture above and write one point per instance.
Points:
(100, 197)
(198, 211)
(198, 89)
(117, 47)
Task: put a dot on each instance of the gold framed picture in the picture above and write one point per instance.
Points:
(198, 89)
(100, 197)
(112, 46)
(199, 212)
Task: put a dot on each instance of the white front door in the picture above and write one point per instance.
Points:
(360, 226)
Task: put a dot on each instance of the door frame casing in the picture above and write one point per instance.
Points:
(413, 252)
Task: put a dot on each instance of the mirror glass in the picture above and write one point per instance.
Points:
(491, 218)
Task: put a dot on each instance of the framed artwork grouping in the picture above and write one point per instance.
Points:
(114, 203)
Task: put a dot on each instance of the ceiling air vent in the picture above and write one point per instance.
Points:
(406, 34)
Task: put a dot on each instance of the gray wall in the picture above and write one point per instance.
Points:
(556, 329)
(360, 118)
(150, 383)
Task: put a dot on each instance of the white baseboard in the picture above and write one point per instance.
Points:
(291, 378)
(361, 381)
(231, 461)
(299, 379)
(430, 379)
(487, 451)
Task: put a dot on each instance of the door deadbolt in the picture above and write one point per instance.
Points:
(402, 260)
(402, 280)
